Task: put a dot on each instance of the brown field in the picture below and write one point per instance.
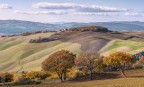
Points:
(95, 41)
(134, 79)
(121, 82)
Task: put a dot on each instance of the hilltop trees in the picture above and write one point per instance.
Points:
(89, 28)
(59, 62)
(87, 60)
(118, 60)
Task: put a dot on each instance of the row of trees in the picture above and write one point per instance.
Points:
(60, 62)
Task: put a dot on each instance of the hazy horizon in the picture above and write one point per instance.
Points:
(48, 11)
(67, 22)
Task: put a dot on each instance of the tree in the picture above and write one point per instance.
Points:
(87, 60)
(100, 66)
(119, 60)
(59, 62)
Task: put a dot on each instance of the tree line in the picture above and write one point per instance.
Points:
(61, 61)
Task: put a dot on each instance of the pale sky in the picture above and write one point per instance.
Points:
(72, 10)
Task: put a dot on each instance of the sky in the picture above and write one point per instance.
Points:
(72, 10)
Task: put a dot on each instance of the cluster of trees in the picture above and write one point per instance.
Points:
(119, 60)
(89, 28)
(40, 40)
(61, 61)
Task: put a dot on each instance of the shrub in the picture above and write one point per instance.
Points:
(6, 77)
(19, 78)
(138, 65)
(80, 73)
(36, 75)
(26, 34)
(72, 73)
(53, 76)
(28, 82)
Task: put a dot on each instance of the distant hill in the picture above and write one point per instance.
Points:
(18, 26)
(119, 26)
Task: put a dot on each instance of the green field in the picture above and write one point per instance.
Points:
(124, 46)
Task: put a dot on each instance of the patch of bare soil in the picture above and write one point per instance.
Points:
(90, 41)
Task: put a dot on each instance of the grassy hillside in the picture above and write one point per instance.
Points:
(17, 54)
(124, 46)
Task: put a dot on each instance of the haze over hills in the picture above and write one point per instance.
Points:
(18, 26)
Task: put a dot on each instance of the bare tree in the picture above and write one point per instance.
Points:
(87, 60)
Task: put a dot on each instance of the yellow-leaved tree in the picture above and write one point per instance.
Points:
(119, 60)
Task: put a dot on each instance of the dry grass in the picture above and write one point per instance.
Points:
(134, 79)
(122, 82)
(16, 54)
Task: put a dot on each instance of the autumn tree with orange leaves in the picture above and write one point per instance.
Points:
(119, 60)
(59, 62)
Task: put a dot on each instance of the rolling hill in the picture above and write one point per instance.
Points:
(18, 26)
(17, 54)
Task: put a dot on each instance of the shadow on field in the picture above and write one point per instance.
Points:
(136, 76)
(97, 76)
